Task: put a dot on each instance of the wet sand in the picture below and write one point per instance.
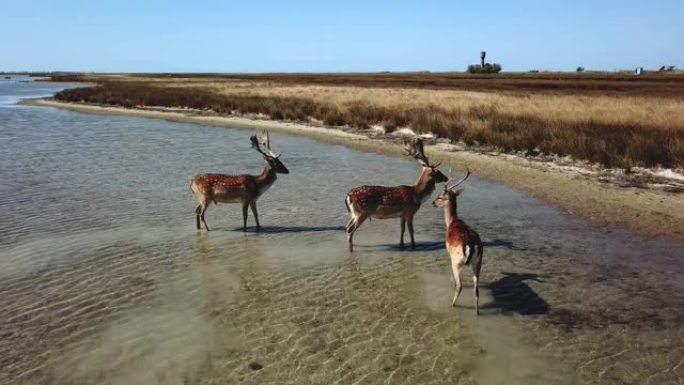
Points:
(648, 212)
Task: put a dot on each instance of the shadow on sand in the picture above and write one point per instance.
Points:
(512, 294)
(501, 243)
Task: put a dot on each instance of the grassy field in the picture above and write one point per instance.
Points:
(618, 120)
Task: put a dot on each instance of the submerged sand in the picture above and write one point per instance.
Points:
(649, 212)
(106, 280)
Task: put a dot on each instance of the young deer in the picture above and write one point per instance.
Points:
(394, 202)
(245, 189)
(462, 242)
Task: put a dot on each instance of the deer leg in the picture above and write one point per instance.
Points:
(355, 226)
(476, 291)
(350, 222)
(410, 227)
(457, 283)
(256, 215)
(476, 284)
(403, 228)
(198, 210)
(204, 206)
(244, 216)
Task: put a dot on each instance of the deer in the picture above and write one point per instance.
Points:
(245, 188)
(462, 242)
(403, 202)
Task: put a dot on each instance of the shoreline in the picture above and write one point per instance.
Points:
(644, 211)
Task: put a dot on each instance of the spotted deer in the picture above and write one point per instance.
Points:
(462, 242)
(245, 188)
(394, 202)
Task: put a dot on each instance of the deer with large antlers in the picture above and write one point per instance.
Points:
(394, 202)
(245, 189)
(462, 242)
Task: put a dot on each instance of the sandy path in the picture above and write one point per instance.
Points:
(647, 212)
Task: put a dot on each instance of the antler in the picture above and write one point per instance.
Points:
(255, 145)
(415, 150)
(266, 142)
(446, 186)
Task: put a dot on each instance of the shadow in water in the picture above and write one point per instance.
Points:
(420, 246)
(290, 229)
(438, 245)
(512, 294)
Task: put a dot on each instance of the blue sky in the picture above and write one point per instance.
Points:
(349, 36)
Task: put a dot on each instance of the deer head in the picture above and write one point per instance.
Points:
(415, 149)
(269, 156)
(449, 193)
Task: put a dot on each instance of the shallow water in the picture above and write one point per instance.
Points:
(104, 279)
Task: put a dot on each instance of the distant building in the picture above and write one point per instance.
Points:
(639, 71)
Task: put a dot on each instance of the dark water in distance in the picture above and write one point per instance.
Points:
(104, 279)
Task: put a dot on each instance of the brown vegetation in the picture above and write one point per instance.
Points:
(617, 131)
(586, 83)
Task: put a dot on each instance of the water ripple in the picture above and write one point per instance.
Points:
(103, 278)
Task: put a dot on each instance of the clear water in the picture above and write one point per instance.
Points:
(104, 279)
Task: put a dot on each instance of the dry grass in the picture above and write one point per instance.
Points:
(657, 112)
(616, 130)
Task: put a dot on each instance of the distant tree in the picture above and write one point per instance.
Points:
(484, 68)
(488, 68)
(580, 69)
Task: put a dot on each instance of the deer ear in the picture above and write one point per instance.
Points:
(459, 191)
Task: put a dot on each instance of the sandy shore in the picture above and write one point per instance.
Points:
(647, 212)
